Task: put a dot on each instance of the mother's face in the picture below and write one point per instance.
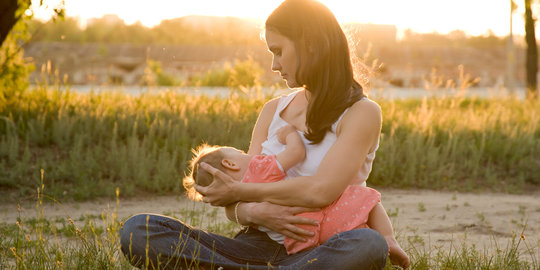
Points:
(284, 56)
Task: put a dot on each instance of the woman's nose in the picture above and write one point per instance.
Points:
(275, 65)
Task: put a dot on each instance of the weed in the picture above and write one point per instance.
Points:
(481, 217)
(393, 213)
(421, 207)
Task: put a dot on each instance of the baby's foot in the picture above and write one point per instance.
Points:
(397, 254)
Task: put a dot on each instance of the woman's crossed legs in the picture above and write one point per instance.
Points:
(167, 243)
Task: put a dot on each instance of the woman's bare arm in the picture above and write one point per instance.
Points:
(260, 131)
(258, 136)
(281, 219)
(359, 130)
(278, 218)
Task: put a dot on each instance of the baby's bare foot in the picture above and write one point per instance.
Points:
(397, 254)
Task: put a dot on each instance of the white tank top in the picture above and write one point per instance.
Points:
(314, 153)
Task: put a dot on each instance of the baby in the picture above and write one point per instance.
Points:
(351, 210)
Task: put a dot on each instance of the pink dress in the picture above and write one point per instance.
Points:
(351, 210)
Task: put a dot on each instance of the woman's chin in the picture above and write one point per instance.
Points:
(292, 84)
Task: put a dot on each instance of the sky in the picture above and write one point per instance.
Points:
(475, 17)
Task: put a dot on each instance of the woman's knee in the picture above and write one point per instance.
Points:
(375, 245)
(371, 238)
(142, 228)
(133, 230)
(129, 237)
(365, 248)
(133, 224)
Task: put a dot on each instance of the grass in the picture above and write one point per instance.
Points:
(90, 144)
(459, 143)
(463, 256)
(41, 243)
(92, 242)
(94, 145)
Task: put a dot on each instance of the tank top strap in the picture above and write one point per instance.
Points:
(284, 101)
(335, 125)
(371, 156)
(277, 121)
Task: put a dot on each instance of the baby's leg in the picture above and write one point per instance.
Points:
(379, 221)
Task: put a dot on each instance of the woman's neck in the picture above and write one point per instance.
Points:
(306, 94)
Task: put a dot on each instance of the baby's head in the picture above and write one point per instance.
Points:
(229, 160)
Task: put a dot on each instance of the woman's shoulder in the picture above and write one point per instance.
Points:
(365, 107)
(364, 111)
(272, 105)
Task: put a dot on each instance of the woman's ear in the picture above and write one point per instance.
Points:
(230, 164)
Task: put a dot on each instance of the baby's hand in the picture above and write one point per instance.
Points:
(283, 132)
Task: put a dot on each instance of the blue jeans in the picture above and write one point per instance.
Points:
(162, 242)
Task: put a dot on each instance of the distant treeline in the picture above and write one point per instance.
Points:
(185, 30)
(212, 30)
(456, 38)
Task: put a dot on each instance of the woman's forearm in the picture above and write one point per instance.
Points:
(239, 212)
(337, 169)
(305, 191)
(280, 219)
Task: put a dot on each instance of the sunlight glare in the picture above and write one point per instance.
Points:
(474, 17)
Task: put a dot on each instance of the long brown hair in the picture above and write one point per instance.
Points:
(324, 62)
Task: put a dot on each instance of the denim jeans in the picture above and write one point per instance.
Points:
(154, 240)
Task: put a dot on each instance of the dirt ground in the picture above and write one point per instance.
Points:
(427, 218)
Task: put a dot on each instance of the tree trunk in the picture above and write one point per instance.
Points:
(8, 18)
(532, 52)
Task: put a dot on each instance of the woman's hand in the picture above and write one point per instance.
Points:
(221, 191)
(282, 219)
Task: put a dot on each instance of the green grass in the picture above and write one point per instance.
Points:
(41, 243)
(468, 256)
(92, 242)
(459, 143)
(90, 144)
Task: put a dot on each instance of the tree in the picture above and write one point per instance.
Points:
(532, 51)
(10, 13)
(14, 70)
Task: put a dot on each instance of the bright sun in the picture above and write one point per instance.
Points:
(474, 17)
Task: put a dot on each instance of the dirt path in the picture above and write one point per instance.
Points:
(436, 219)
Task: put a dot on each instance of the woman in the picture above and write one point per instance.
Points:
(310, 51)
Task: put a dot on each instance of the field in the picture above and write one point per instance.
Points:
(90, 144)
(102, 151)
(439, 230)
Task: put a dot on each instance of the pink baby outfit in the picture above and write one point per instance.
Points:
(349, 211)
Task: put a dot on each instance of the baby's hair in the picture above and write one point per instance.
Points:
(210, 154)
